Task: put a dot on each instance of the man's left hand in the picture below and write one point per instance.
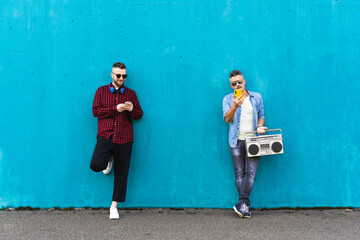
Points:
(128, 106)
(261, 130)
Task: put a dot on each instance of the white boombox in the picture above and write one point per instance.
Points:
(264, 145)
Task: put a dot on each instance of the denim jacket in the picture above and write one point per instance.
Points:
(258, 105)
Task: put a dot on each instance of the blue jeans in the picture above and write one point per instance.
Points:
(245, 171)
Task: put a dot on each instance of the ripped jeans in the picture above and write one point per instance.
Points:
(245, 171)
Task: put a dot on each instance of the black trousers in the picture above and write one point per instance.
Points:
(122, 153)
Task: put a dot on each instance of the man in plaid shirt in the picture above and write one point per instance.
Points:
(114, 106)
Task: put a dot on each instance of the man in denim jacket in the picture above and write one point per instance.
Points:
(243, 114)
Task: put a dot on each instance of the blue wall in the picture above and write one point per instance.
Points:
(303, 56)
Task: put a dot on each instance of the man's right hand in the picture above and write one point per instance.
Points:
(238, 101)
(120, 107)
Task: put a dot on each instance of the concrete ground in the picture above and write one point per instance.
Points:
(179, 224)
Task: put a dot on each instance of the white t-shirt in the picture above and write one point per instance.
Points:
(246, 119)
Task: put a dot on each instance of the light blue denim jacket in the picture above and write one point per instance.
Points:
(258, 105)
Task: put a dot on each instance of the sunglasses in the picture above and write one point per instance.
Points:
(234, 83)
(119, 75)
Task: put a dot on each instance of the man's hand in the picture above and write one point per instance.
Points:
(261, 130)
(120, 107)
(238, 101)
(128, 106)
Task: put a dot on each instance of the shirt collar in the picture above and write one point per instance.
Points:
(251, 94)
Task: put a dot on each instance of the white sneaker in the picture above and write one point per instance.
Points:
(109, 166)
(114, 213)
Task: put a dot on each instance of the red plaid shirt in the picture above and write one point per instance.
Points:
(110, 121)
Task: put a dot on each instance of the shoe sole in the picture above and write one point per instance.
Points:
(114, 218)
(237, 212)
(247, 216)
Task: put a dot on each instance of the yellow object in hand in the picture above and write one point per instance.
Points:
(237, 93)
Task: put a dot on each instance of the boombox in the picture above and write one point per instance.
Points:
(264, 144)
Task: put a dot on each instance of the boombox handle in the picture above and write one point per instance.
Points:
(270, 130)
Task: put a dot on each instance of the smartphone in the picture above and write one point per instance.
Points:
(237, 93)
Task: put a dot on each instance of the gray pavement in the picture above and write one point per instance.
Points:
(179, 224)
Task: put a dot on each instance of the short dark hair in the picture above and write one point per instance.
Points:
(119, 65)
(234, 73)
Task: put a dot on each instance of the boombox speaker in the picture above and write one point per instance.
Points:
(264, 145)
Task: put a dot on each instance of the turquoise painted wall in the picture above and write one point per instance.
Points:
(303, 56)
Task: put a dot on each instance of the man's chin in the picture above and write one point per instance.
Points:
(118, 84)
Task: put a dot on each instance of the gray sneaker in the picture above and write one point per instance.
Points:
(247, 213)
(239, 210)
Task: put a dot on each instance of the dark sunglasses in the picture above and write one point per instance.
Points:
(234, 83)
(119, 75)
